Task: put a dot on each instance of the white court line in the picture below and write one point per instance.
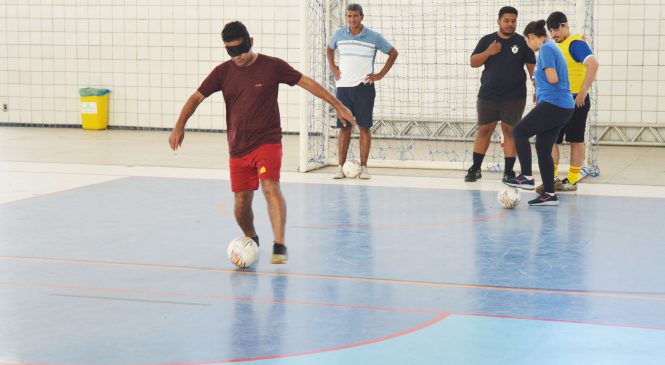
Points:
(16, 186)
(42, 178)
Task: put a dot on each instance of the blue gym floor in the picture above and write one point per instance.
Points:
(134, 271)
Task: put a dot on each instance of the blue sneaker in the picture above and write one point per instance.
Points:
(520, 182)
(545, 200)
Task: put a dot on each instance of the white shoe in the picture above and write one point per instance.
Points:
(339, 174)
(364, 174)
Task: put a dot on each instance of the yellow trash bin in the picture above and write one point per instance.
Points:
(94, 108)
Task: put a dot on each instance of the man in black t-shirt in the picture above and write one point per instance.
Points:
(502, 94)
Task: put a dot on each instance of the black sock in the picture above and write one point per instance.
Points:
(510, 164)
(278, 248)
(477, 160)
(256, 239)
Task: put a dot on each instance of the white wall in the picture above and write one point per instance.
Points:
(631, 49)
(153, 54)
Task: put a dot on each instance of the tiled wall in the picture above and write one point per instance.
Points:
(153, 54)
(630, 43)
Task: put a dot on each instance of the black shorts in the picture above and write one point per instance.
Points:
(506, 111)
(360, 100)
(575, 129)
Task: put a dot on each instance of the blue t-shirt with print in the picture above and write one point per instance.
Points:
(550, 56)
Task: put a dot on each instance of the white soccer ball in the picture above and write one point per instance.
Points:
(243, 252)
(351, 169)
(509, 197)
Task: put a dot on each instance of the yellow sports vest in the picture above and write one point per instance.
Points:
(576, 70)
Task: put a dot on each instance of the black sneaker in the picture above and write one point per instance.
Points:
(472, 175)
(520, 182)
(545, 200)
(508, 175)
(279, 254)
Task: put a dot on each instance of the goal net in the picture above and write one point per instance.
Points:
(425, 108)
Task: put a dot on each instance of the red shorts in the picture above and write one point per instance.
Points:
(264, 162)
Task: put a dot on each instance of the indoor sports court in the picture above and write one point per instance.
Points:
(113, 247)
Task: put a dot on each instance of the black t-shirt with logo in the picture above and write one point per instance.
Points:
(504, 77)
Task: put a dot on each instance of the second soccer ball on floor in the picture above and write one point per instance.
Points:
(351, 169)
(509, 197)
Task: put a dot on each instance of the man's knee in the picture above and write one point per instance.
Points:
(243, 199)
(486, 130)
(345, 133)
(270, 188)
(507, 128)
(577, 145)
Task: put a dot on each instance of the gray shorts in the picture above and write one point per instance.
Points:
(506, 111)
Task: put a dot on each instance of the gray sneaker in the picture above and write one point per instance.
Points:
(339, 174)
(567, 186)
(364, 174)
(540, 189)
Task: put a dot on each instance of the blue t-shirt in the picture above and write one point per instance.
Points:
(550, 56)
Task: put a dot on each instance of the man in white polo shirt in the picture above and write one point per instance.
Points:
(355, 79)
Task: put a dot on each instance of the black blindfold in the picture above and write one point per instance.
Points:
(243, 47)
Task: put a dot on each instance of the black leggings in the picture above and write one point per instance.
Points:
(545, 122)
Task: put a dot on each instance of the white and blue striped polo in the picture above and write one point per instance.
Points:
(357, 54)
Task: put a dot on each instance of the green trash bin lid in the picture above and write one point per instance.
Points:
(91, 91)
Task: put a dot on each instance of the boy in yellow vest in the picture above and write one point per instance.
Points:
(582, 69)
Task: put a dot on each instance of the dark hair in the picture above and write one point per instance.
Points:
(507, 10)
(355, 7)
(555, 20)
(537, 28)
(233, 31)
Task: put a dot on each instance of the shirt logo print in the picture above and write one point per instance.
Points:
(262, 170)
(258, 85)
(515, 49)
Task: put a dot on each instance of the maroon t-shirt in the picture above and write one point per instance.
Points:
(250, 94)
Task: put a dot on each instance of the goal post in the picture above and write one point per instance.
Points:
(425, 108)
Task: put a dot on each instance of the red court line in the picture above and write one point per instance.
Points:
(211, 297)
(422, 326)
(619, 325)
(439, 316)
(429, 323)
(583, 293)
(308, 303)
